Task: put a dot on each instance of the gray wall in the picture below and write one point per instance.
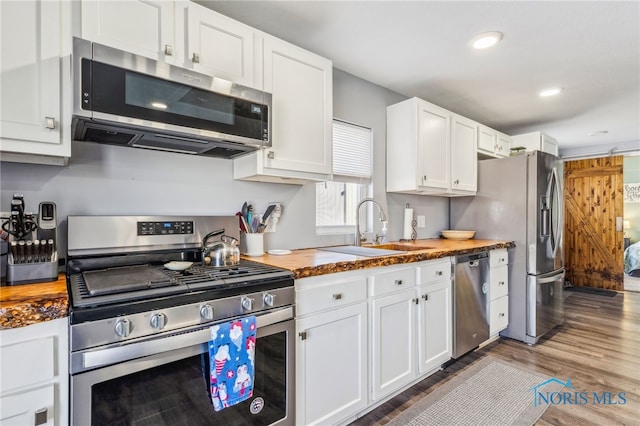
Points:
(108, 180)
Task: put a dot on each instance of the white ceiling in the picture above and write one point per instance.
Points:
(421, 48)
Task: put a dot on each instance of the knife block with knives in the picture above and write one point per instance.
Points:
(32, 256)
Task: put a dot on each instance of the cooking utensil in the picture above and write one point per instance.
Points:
(243, 223)
(245, 210)
(268, 212)
(265, 216)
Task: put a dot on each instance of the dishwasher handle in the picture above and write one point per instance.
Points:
(473, 259)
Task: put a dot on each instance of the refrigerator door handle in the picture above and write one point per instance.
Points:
(557, 211)
(550, 209)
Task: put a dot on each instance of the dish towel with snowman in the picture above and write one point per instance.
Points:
(232, 352)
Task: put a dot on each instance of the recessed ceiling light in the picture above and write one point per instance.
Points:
(599, 133)
(550, 92)
(486, 40)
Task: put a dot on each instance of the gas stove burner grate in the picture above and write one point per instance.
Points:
(125, 279)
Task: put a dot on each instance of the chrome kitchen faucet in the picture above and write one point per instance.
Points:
(359, 238)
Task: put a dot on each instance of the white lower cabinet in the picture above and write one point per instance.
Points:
(434, 325)
(33, 407)
(34, 389)
(410, 323)
(498, 315)
(331, 348)
(393, 329)
(364, 336)
(498, 299)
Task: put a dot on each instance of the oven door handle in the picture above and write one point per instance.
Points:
(112, 355)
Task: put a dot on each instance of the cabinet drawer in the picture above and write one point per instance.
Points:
(498, 314)
(27, 363)
(499, 281)
(436, 270)
(330, 295)
(390, 281)
(21, 408)
(498, 257)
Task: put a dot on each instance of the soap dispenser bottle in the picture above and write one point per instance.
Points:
(383, 233)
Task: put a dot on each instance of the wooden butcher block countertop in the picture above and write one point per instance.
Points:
(26, 304)
(313, 262)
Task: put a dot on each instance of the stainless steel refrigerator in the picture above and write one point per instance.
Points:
(520, 199)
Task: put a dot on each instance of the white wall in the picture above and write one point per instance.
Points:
(109, 180)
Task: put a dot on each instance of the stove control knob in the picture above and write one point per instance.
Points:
(206, 311)
(269, 299)
(123, 327)
(247, 303)
(158, 321)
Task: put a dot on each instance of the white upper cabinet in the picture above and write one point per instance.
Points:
(536, 141)
(464, 164)
(302, 88)
(492, 144)
(219, 46)
(181, 33)
(34, 37)
(430, 150)
(503, 145)
(143, 27)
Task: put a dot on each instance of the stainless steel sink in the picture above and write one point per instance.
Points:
(362, 251)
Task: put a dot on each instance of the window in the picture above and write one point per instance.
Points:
(336, 201)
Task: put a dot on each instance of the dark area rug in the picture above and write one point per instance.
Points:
(591, 290)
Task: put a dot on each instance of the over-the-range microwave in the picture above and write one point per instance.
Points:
(125, 99)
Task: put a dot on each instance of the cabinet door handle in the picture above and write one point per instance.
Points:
(501, 314)
(398, 282)
(41, 416)
(271, 155)
(50, 122)
(195, 58)
(425, 297)
(337, 296)
(303, 335)
(439, 273)
(456, 182)
(168, 50)
(500, 282)
(416, 300)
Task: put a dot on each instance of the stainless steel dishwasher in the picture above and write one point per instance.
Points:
(471, 284)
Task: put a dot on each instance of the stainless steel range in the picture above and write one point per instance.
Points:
(141, 316)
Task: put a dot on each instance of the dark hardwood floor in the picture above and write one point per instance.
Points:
(597, 348)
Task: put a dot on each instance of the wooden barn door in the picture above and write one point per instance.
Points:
(593, 241)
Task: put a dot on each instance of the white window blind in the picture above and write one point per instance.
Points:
(352, 152)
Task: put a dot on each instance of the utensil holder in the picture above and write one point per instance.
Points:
(253, 244)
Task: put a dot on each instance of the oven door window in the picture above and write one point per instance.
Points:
(176, 393)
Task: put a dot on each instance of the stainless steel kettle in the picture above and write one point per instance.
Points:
(221, 253)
